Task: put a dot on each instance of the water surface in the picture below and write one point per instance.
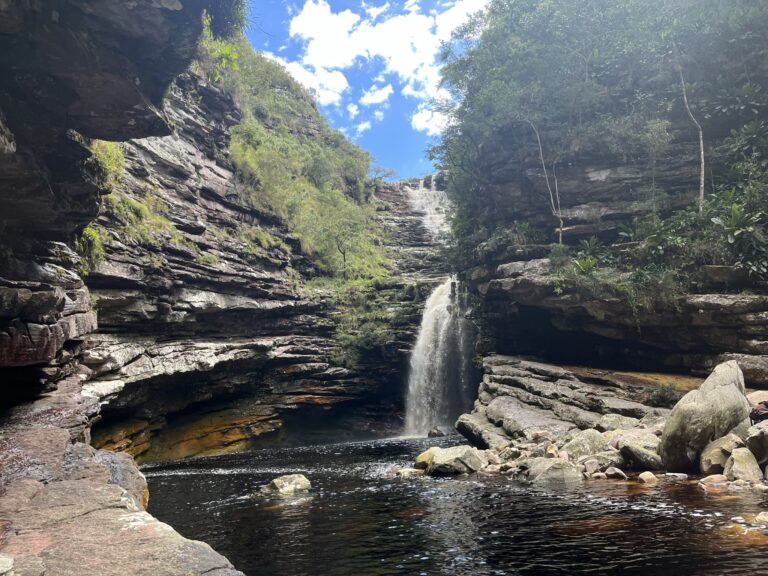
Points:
(362, 520)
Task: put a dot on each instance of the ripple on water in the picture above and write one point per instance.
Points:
(361, 520)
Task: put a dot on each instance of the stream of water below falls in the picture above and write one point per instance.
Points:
(361, 520)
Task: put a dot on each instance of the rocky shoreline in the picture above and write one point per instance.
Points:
(543, 424)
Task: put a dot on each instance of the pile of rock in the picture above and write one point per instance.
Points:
(707, 432)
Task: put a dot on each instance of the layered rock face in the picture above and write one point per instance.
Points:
(207, 337)
(58, 87)
(527, 313)
(523, 399)
(70, 71)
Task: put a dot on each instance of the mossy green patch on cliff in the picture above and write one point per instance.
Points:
(292, 164)
(110, 159)
(143, 220)
(90, 248)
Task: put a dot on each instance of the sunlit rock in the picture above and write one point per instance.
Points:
(710, 412)
(288, 485)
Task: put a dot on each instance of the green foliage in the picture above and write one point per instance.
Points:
(227, 18)
(586, 265)
(364, 318)
(143, 221)
(90, 248)
(291, 164)
(557, 83)
(110, 159)
(663, 396)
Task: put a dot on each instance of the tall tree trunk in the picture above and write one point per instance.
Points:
(702, 171)
(554, 196)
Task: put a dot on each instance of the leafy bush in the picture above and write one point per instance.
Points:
(290, 163)
(90, 248)
(663, 396)
(110, 159)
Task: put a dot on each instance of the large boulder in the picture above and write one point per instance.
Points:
(586, 442)
(742, 466)
(757, 441)
(716, 454)
(702, 416)
(455, 460)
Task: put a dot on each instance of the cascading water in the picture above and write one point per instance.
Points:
(440, 382)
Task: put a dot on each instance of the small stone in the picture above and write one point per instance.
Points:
(438, 432)
(713, 480)
(615, 473)
(648, 478)
(591, 466)
(762, 518)
(564, 455)
(288, 485)
(599, 476)
(551, 451)
(408, 472)
(492, 457)
(491, 469)
(676, 476)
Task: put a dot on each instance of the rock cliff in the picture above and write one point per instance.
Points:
(208, 337)
(72, 71)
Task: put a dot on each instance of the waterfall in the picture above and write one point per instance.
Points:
(440, 383)
(441, 380)
(434, 205)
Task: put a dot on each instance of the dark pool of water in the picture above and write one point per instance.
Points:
(361, 520)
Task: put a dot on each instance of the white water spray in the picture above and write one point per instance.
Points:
(440, 383)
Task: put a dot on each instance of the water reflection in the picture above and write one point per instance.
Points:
(361, 520)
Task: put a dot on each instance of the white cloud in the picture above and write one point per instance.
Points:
(379, 115)
(362, 128)
(375, 11)
(353, 111)
(406, 43)
(429, 121)
(328, 85)
(376, 95)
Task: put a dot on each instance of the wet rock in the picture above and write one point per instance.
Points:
(288, 485)
(615, 473)
(439, 432)
(586, 442)
(741, 465)
(410, 472)
(647, 478)
(757, 441)
(713, 483)
(616, 422)
(559, 472)
(599, 476)
(425, 458)
(549, 471)
(716, 454)
(710, 412)
(605, 459)
(762, 518)
(641, 457)
(455, 460)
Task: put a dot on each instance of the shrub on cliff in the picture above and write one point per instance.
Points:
(292, 164)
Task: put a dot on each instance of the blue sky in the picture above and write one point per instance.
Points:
(371, 65)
